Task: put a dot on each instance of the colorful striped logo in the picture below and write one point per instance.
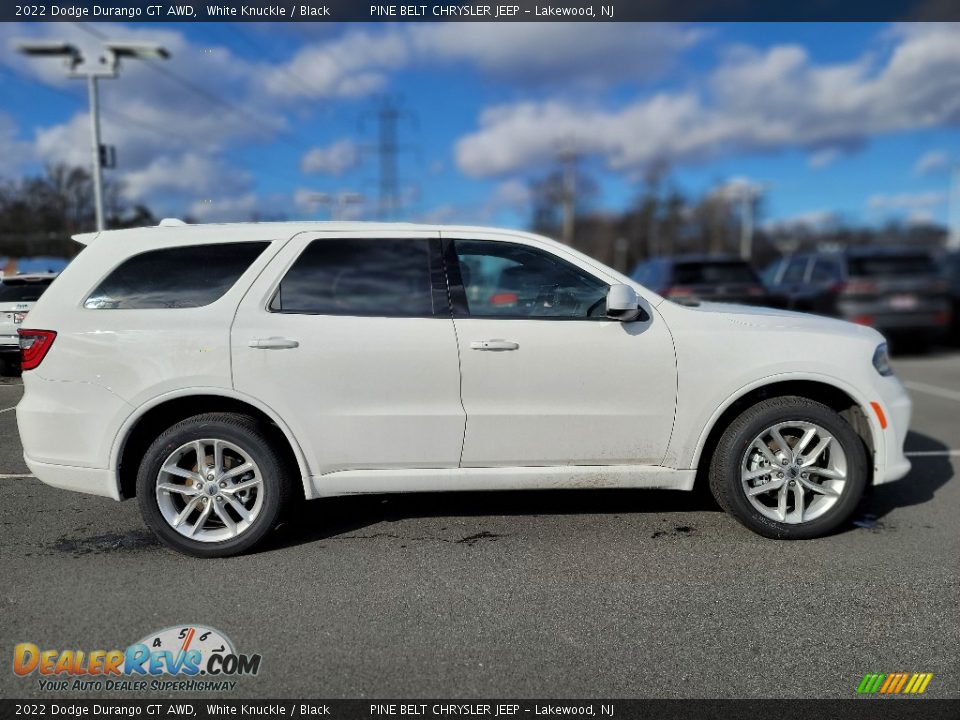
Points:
(894, 683)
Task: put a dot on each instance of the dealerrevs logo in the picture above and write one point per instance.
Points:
(184, 652)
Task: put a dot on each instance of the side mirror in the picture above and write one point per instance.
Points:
(623, 303)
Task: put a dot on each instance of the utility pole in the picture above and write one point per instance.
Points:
(568, 158)
(746, 223)
(106, 66)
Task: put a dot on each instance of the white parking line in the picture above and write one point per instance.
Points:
(934, 390)
(7, 410)
(16, 477)
(933, 453)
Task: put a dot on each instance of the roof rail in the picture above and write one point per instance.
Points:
(171, 222)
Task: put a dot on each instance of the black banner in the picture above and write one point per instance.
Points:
(507, 11)
(855, 709)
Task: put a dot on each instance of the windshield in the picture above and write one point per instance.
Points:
(21, 290)
(892, 266)
(711, 273)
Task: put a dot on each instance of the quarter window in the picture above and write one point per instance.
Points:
(508, 280)
(351, 276)
(178, 277)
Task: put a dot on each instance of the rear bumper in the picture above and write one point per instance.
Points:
(92, 481)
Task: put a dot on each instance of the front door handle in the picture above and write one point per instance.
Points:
(273, 343)
(494, 345)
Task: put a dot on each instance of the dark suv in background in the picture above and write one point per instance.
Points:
(899, 291)
(689, 279)
(951, 269)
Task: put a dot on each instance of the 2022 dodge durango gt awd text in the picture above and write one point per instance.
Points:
(220, 373)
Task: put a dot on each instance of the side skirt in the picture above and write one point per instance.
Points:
(360, 482)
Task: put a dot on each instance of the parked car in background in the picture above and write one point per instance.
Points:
(899, 291)
(18, 294)
(688, 279)
(951, 268)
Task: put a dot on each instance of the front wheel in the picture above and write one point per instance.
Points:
(212, 486)
(789, 468)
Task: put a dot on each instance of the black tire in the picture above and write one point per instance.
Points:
(725, 481)
(241, 430)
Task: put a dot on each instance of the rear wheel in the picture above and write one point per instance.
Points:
(789, 468)
(212, 486)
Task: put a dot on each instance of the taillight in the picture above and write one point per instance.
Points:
(862, 319)
(34, 346)
(679, 291)
(754, 290)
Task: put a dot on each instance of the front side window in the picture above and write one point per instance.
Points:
(516, 281)
(353, 276)
(177, 277)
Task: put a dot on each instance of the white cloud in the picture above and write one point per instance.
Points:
(334, 159)
(190, 175)
(931, 163)
(360, 63)
(240, 208)
(353, 65)
(756, 101)
(823, 158)
(909, 202)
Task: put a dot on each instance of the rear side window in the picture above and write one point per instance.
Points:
(353, 276)
(179, 277)
(17, 290)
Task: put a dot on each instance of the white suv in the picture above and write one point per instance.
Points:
(18, 294)
(222, 372)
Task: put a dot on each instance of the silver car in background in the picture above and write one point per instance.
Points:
(18, 295)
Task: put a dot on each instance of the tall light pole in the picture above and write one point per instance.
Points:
(106, 66)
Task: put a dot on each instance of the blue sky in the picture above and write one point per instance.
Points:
(856, 122)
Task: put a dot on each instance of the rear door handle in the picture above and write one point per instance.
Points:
(273, 343)
(494, 345)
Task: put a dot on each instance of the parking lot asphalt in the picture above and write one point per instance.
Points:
(554, 594)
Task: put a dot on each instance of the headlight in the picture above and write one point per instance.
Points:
(881, 360)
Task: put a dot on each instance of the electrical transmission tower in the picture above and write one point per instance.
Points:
(388, 149)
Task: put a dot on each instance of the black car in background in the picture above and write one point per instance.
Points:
(692, 278)
(951, 269)
(899, 291)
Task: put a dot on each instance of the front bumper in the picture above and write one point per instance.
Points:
(897, 407)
